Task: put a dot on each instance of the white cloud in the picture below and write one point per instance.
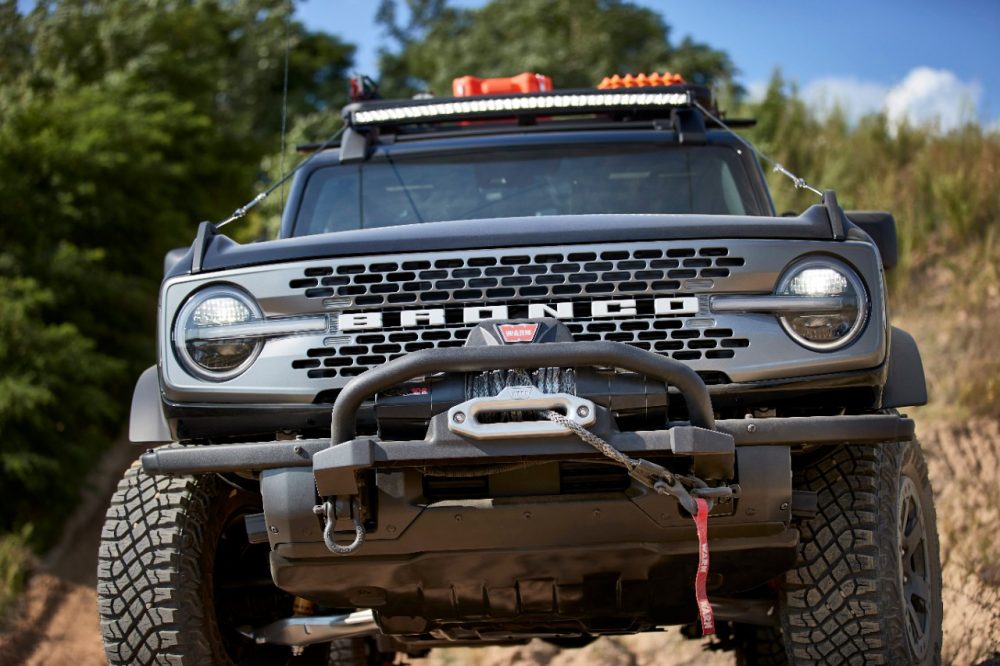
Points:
(933, 96)
(853, 96)
(925, 96)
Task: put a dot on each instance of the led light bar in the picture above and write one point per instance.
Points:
(504, 106)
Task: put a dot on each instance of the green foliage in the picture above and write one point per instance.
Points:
(576, 42)
(122, 124)
(55, 405)
(15, 561)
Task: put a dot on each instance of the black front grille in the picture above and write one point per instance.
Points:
(516, 275)
(517, 279)
(665, 336)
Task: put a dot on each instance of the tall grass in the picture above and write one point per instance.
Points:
(944, 190)
(942, 187)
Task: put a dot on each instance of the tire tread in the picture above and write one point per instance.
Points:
(148, 570)
(842, 602)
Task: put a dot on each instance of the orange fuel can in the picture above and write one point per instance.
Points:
(471, 86)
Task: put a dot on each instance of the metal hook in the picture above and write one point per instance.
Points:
(328, 511)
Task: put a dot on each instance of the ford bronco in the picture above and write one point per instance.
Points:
(521, 364)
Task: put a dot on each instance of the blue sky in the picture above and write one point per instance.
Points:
(914, 58)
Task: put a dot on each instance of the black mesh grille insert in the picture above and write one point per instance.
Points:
(517, 279)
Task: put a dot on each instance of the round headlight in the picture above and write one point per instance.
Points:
(205, 334)
(841, 304)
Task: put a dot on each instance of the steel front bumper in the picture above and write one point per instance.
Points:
(516, 554)
(438, 447)
(753, 453)
(372, 453)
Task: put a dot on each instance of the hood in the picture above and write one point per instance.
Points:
(213, 251)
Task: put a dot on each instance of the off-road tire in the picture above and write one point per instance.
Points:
(844, 602)
(759, 646)
(155, 573)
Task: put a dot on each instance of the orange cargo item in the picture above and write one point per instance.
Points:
(469, 86)
(640, 81)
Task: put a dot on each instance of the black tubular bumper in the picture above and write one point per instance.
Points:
(537, 545)
(709, 442)
(823, 430)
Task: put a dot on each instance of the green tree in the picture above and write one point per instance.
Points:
(576, 42)
(54, 404)
(122, 124)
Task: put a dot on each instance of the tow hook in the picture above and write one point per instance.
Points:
(697, 502)
(653, 476)
(345, 506)
(662, 481)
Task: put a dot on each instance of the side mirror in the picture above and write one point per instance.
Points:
(881, 226)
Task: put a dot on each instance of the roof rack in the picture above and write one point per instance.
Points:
(649, 102)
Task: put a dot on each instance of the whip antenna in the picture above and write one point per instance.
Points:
(246, 208)
(284, 98)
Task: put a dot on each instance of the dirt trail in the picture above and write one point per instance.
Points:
(57, 623)
(964, 466)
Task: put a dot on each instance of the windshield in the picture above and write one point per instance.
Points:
(524, 182)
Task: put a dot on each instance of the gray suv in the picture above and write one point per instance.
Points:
(535, 365)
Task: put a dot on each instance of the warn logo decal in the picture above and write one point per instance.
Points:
(513, 333)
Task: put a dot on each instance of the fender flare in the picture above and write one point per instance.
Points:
(905, 386)
(147, 425)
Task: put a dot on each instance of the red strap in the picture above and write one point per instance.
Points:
(701, 578)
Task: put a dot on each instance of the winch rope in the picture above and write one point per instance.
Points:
(665, 483)
(590, 438)
(649, 474)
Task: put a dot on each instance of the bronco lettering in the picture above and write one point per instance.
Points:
(367, 321)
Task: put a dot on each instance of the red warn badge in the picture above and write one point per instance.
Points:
(518, 332)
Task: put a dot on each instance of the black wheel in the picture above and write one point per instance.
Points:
(758, 646)
(867, 588)
(177, 577)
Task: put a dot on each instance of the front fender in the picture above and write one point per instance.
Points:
(905, 386)
(147, 425)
